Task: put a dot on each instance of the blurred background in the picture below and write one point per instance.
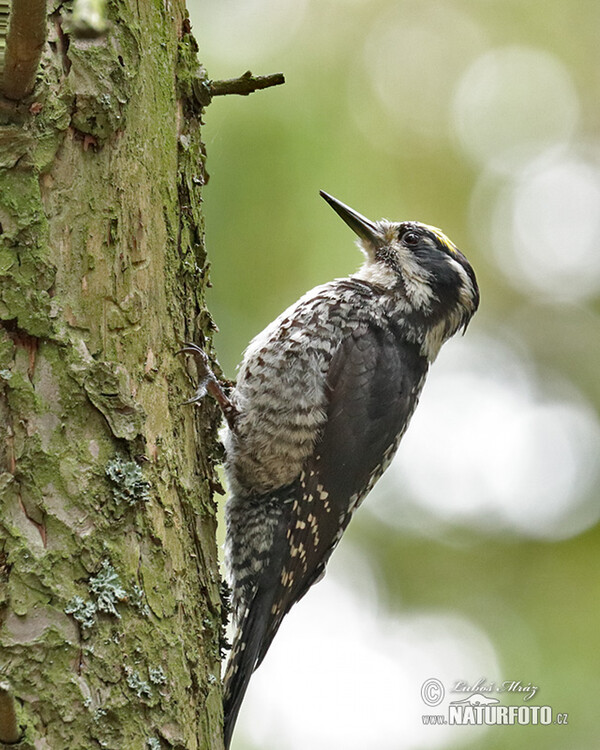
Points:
(476, 556)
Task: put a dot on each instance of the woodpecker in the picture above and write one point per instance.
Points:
(322, 399)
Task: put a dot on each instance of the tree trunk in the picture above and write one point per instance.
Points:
(109, 600)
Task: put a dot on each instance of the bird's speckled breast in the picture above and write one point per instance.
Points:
(281, 386)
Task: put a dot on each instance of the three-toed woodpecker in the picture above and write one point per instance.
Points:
(322, 398)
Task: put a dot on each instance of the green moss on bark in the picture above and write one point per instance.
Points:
(109, 612)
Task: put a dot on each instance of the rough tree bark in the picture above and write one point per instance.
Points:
(109, 590)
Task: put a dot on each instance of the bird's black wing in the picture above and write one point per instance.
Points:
(374, 381)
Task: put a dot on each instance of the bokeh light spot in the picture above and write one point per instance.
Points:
(249, 31)
(412, 63)
(512, 104)
(554, 236)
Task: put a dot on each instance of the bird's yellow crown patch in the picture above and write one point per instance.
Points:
(446, 241)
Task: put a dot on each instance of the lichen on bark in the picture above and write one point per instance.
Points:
(109, 613)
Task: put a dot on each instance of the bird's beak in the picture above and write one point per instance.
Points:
(365, 229)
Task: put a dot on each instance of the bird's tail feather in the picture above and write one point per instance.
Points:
(245, 652)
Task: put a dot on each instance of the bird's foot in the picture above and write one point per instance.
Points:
(208, 383)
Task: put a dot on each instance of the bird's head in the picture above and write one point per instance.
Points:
(417, 264)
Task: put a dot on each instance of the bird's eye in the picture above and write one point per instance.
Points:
(410, 238)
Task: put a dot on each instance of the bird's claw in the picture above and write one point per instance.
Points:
(200, 356)
(208, 382)
(205, 373)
